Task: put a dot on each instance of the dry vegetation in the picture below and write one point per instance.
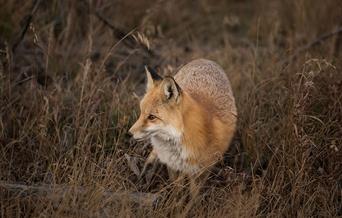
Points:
(69, 92)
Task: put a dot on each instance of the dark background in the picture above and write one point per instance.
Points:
(72, 73)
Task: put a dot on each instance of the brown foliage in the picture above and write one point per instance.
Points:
(68, 94)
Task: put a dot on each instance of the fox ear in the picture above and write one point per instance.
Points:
(151, 77)
(172, 91)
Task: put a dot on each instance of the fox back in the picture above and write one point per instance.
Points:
(207, 82)
(190, 119)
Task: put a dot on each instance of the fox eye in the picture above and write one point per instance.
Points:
(151, 117)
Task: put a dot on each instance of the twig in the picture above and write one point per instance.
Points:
(313, 43)
(28, 19)
(53, 191)
(118, 33)
(129, 41)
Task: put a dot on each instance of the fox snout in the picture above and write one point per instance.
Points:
(136, 131)
(132, 130)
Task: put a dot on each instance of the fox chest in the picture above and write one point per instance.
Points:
(173, 155)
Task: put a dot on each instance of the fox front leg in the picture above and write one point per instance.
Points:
(152, 157)
(197, 183)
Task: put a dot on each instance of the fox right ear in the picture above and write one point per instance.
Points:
(152, 76)
(172, 91)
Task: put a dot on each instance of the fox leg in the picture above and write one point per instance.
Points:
(152, 157)
(195, 186)
(197, 183)
(173, 175)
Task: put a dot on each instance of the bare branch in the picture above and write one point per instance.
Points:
(45, 190)
(313, 43)
(27, 21)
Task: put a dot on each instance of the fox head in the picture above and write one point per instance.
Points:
(160, 109)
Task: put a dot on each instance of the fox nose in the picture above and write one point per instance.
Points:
(130, 132)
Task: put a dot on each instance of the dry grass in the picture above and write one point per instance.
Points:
(66, 103)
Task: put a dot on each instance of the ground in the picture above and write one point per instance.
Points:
(72, 74)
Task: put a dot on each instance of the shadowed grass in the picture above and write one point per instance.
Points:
(70, 92)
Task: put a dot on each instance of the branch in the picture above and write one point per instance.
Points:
(130, 41)
(118, 33)
(51, 191)
(27, 21)
(313, 43)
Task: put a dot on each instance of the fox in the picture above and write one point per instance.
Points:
(190, 119)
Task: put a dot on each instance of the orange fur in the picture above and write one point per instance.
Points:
(190, 118)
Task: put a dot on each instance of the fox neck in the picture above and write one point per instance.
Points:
(196, 125)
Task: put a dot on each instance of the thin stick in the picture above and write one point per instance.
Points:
(145, 199)
(118, 33)
(26, 25)
(313, 43)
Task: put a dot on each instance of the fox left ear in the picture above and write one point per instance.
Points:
(152, 76)
(171, 89)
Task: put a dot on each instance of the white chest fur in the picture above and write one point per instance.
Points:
(173, 154)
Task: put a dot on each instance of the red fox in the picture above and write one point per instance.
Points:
(190, 118)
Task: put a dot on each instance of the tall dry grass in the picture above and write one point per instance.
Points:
(69, 92)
